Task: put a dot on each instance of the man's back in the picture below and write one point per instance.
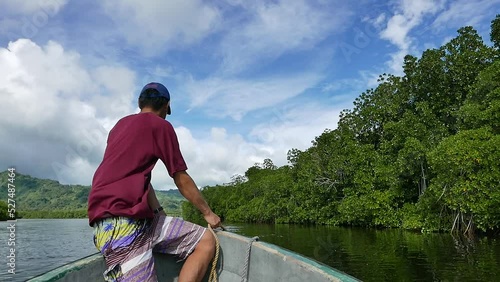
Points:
(121, 183)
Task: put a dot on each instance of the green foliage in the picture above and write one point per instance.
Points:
(74, 213)
(419, 152)
(43, 194)
(467, 177)
(171, 201)
(482, 106)
(410, 217)
(495, 31)
(4, 215)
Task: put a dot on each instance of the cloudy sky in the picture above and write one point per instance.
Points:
(249, 80)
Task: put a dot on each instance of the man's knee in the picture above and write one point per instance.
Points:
(207, 242)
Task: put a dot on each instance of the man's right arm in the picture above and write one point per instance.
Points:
(188, 189)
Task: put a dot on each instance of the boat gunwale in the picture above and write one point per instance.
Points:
(61, 271)
(285, 254)
(302, 260)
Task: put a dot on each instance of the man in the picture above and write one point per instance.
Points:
(129, 223)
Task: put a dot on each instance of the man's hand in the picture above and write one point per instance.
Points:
(188, 189)
(212, 219)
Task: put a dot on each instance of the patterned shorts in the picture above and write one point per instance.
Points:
(128, 244)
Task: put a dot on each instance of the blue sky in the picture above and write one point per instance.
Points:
(249, 80)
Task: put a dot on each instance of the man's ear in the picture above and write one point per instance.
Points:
(167, 108)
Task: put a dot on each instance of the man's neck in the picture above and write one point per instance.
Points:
(159, 113)
(149, 110)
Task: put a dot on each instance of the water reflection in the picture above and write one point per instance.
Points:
(388, 255)
(326, 249)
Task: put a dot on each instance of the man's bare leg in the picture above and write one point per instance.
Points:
(197, 263)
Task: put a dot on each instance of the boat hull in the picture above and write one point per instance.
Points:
(266, 262)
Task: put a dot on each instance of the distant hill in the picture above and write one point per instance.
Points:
(46, 198)
(171, 201)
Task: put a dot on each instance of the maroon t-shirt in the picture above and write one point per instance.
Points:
(121, 183)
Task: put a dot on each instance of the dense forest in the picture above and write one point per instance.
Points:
(420, 151)
(44, 198)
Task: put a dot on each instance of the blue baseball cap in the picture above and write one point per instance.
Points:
(162, 92)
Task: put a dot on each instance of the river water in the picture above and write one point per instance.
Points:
(370, 255)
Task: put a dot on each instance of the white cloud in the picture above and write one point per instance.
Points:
(231, 97)
(56, 114)
(275, 28)
(397, 31)
(295, 127)
(54, 123)
(465, 12)
(407, 15)
(379, 21)
(213, 159)
(160, 25)
(25, 19)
